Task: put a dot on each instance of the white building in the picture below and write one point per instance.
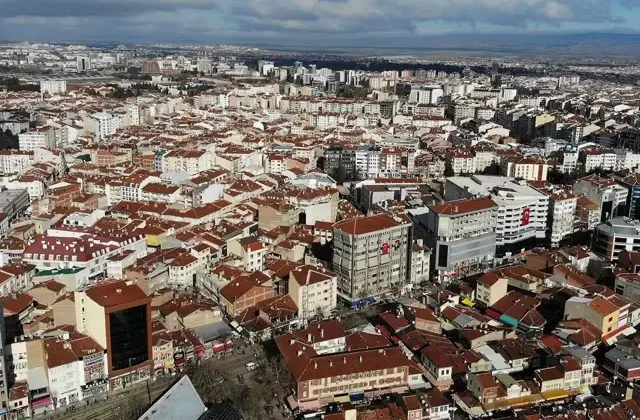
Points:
(39, 138)
(605, 192)
(12, 161)
(593, 158)
(314, 290)
(81, 251)
(53, 87)
(562, 214)
(522, 210)
(103, 124)
(462, 236)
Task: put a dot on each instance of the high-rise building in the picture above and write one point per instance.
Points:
(522, 210)
(118, 316)
(4, 385)
(83, 63)
(462, 236)
(371, 255)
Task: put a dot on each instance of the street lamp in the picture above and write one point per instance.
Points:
(129, 375)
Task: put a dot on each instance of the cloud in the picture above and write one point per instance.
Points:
(203, 19)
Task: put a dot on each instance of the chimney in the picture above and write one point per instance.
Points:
(321, 333)
(360, 357)
(344, 360)
(309, 337)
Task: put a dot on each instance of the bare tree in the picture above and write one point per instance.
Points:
(132, 410)
(249, 401)
(211, 380)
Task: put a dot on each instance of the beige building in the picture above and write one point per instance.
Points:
(64, 310)
(370, 255)
(314, 290)
(598, 311)
(48, 292)
(491, 287)
(274, 214)
(250, 250)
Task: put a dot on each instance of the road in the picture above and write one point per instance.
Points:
(107, 409)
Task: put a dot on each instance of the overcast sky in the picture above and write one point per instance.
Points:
(299, 21)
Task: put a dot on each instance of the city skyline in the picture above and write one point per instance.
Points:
(307, 21)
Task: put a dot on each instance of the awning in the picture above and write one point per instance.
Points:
(468, 302)
(293, 403)
(342, 399)
(612, 337)
(356, 396)
(555, 395)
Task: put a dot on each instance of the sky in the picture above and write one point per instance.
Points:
(303, 21)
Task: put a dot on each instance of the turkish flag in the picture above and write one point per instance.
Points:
(385, 248)
(526, 213)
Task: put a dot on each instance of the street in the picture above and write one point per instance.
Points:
(106, 409)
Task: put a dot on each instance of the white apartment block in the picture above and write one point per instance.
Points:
(39, 138)
(569, 162)
(522, 210)
(103, 124)
(562, 214)
(625, 159)
(12, 161)
(314, 290)
(605, 192)
(525, 168)
(53, 87)
(190, 161)
(483, 159)
(593, 158)
(461, 161)
(462, 236)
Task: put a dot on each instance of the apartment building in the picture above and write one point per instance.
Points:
(632, 183)
(616, 235)
(610, 315)
(562, 215)
(12, 161)
(371, 255)
(314, 290)
(490, 288)
(58, 252)
(190, 161)
(461, 161)
(522, 211)
(53, 87)
(117, 315)
(606, 192)
(462, 236)
(594, 157)
(324, 372)
(38, 138)
(526, 168)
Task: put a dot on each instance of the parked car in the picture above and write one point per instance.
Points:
(251, 366)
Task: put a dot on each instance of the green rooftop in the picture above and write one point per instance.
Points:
(59, 272)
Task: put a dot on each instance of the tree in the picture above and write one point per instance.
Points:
(211, 380)
(557, 177)
(448, 169)
(8, 140)
(339, 174)
(493, 169)
(133, 410)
